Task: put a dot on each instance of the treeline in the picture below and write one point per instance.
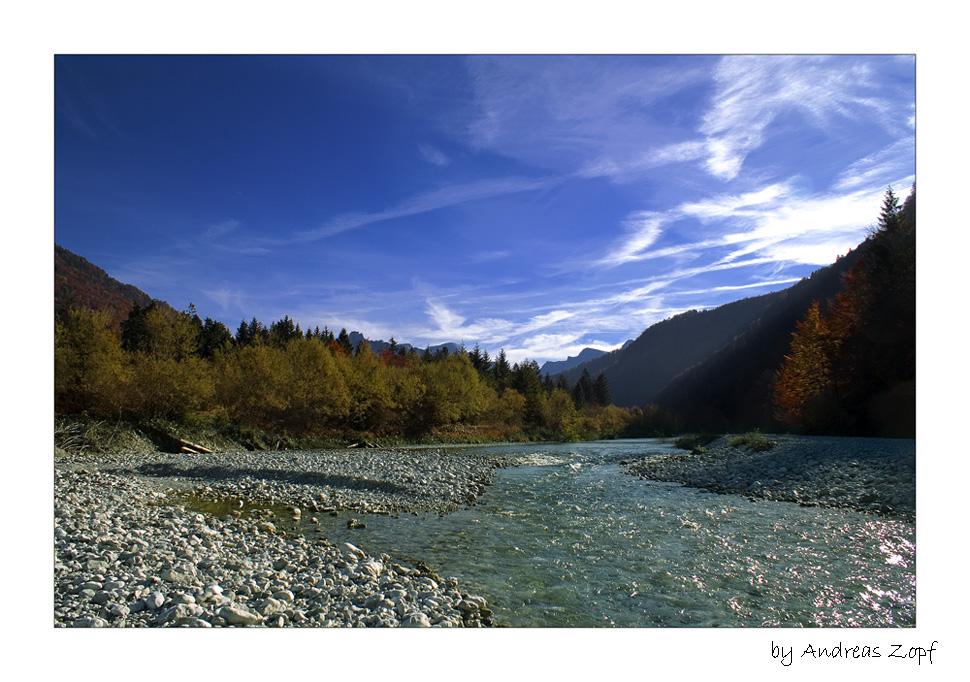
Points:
(852, 364)
(285, 380)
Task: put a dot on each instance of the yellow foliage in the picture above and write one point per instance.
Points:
(89, 373)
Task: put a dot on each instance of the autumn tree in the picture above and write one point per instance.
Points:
(252, 384)
(805, 373)
(89, 373)
(167, 376)
(317, 398)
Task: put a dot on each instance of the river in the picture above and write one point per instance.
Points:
(568, 540)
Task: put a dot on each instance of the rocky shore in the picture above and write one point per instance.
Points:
(129, 553)
(865, 474)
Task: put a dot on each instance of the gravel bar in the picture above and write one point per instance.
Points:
(128, 553)
(875, 475)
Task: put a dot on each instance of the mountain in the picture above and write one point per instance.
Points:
(356, 338)
(554, 367)
(78, 281)
(557, 366)
(678, 361)
(732, 386)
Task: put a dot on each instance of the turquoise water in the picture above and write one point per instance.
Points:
(569, 540)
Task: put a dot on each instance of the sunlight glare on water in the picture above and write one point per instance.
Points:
(567, 539)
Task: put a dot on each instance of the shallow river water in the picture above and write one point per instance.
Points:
(566, 539)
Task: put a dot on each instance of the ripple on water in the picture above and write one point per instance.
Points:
(558, 545)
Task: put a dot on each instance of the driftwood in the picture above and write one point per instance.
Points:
(193, 448)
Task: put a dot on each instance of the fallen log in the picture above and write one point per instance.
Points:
(194, 446)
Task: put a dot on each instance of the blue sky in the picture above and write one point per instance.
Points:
(539, 204)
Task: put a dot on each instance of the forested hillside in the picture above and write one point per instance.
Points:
(80, 282)
(668, 349)
(731, 387)
(282, 380)
(835, 353)
(851, 367)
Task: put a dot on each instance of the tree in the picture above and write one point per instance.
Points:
(601, 389)
(560, 412)
(502, 372)
(317, 397)
(251, 333)
(212, 337)
(343, 340)
(284, 331)
(451, 391)
(889, 216)
(89, 373)
(160, 332)
(805, 374)
(252, 384)
(584, 393)
(526, 380)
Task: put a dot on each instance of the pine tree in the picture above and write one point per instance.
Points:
(890, 214)
(343, 340)
(502, 372)
(244, 336)
(212, 337)
(601, 388)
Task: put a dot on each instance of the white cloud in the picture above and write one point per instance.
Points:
(227, 299)
(771, 223)
(433, 155)
(220, 229)
(586, 115)
(880, 166)
(433, 200)
(487, 256)
(753, 90)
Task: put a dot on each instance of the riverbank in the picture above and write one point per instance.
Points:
(130, 550)
(876, 475)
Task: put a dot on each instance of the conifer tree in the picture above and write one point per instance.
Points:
(502, 372)
(343, 340)
(889, 215)
(601, 388)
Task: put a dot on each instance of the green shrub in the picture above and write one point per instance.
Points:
(694, 441)
(753, 440)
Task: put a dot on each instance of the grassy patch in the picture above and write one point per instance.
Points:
(695, 442)
(754, 441)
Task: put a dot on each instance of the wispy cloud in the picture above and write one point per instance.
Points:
(752, 91)
(434, 200)
(774, 222)
(585, 115)
(895, 159)
(219, 230)
(433, 155)
(487, 256)
(86, 112)
(619, 124)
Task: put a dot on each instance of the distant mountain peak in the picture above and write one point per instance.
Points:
(585, 355)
